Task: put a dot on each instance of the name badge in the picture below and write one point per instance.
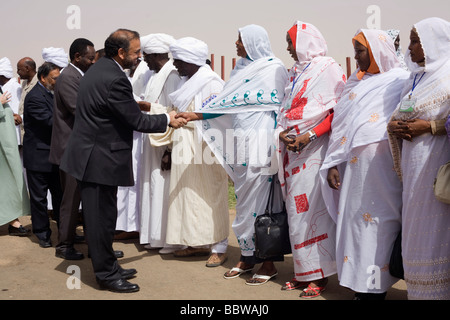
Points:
(408, 105)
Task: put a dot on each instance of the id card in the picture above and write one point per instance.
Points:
(408, 105)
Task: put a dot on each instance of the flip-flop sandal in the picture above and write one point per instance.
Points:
(239, 272)
(317, 292)
(294, 284)
(262, 277)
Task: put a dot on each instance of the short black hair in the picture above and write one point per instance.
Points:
(45, 69)
(79, 46)
(119, 39)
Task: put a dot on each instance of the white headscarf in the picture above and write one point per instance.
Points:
(434, 34)
(56, 55)
(383, 51)
(256, 42)
(156, 43)
(256, 84)
(6, 68)
(320, 80)
(310, 42)
(190, 50)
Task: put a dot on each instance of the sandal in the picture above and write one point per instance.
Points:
(252, 282)
(317, 290)
(294, 284)
(238, 270)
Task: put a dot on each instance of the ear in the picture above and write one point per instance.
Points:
(122, 53)
(77, 56)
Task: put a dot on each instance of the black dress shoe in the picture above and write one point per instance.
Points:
(69, 254)
(118, 253)
(45, 243)
(127, 273)
(19, 232)
(119, 285)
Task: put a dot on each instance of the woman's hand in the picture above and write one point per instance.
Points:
(286, 138)
(190, 116)
(409, 129)
(299, 143)
(333, 178)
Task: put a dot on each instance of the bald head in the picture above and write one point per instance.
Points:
(26, 68)
(119, 39)
(124, 46)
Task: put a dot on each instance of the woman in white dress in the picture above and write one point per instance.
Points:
(316, 83)
(362, 192)
(420, 147)
(247, 106)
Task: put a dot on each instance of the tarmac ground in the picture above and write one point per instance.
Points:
(29, 272)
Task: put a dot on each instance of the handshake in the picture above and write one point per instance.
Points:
(178, 120)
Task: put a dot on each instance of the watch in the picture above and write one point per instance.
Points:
(312, 135)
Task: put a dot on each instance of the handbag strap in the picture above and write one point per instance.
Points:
(269, 205)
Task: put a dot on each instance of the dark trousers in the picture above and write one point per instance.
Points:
(38, 185)
(69, 211)
(100, 218)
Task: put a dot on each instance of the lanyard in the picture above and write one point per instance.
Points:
(415, 84)
(296, 79)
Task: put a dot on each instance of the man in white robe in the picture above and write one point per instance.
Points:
(198, 200)
(155, 177)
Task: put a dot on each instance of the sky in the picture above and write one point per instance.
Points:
(29, 25)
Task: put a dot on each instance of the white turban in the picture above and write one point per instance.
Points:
(156, 43)
(190, 50)
(6, 68)
(56, 55)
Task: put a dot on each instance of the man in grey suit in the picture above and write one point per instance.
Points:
(98, 153)
(82, 55)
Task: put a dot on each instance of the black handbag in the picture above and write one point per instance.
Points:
(272, 231)
(396, 261)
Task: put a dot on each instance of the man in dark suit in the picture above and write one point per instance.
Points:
(98, 153)
(41, 174)
(82, 55)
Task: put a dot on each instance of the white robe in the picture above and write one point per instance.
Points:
(368, 204)
(154, 184)
(425, 220)
(198, 199)
(128, 198)
(315, 86)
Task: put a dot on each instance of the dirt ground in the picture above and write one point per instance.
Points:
(29, 272)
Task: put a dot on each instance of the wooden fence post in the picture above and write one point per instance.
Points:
(212, 61)
(223, 67)
(349, 67)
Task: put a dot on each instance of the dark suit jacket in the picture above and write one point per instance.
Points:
(99, 148)
(37, 119)
(66, 92)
